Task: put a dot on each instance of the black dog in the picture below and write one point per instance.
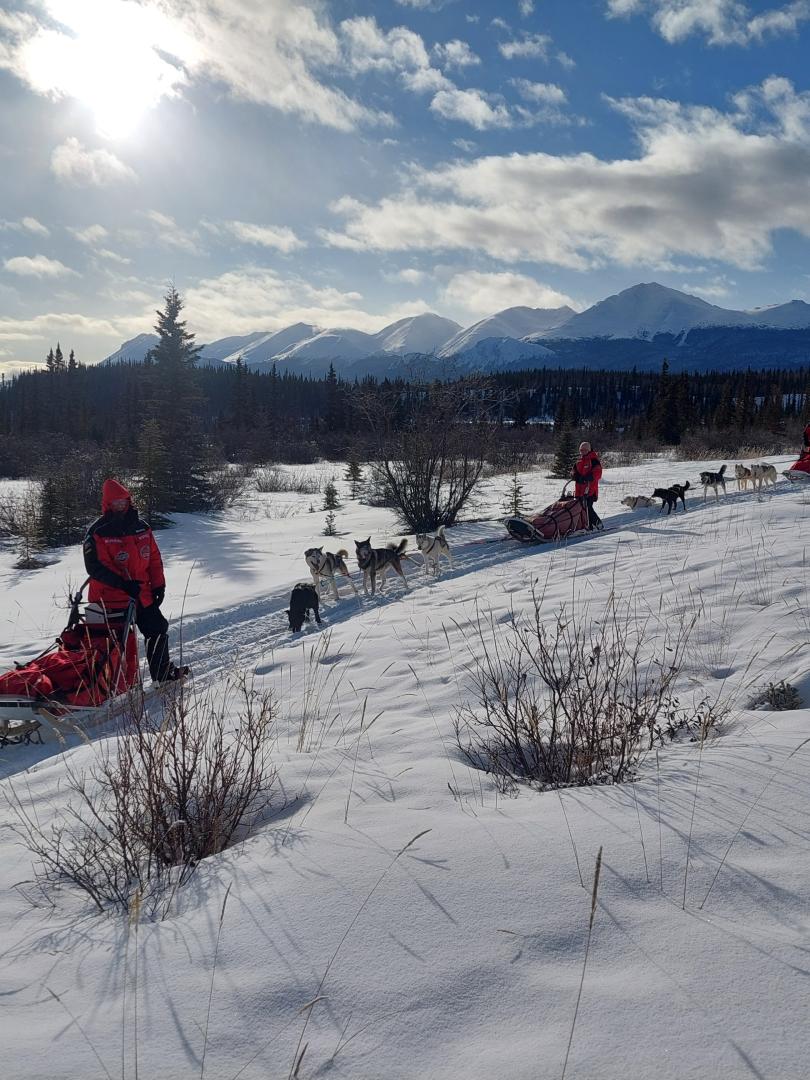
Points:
(303, 599)
(669, 496)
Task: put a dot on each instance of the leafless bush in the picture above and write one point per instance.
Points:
(778, 697)
(575, 701)
(21, 520)
(166, 794)
(270, 480)
(430, 466)
(227, 486)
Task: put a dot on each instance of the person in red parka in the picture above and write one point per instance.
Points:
(124, 563)
(587, 473)
(806, 438)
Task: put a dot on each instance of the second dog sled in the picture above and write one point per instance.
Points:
(565, 517)
(799, 471)
(86, 677)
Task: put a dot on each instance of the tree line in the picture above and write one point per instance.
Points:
(171, 423)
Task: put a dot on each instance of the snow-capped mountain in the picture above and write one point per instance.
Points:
(423, 334)
(795, 315)
(515, 323)
(493, 353)
(416, 334)
(643, 311)
(133, 351)
(264, 348)
(651, 319)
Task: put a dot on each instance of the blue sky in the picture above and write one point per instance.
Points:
(347, 163)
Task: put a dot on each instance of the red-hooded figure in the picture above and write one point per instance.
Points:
(120, 549)
(124, 563)
(586, 474)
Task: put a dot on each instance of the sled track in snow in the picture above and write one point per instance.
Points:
(253, 629)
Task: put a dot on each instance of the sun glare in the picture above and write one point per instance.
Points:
(104, 54)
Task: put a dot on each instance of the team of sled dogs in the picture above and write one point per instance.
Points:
(375, 563)
(758, 476)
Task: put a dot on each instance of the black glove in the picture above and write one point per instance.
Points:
(132, 588)
(157, 595)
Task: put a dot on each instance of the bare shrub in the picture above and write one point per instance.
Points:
(227, 486)
(165, 795)
(271, 480)
(778, 697)
(576, 701)
(20, 519)
(430, 464)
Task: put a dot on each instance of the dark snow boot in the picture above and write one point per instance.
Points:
(173, 674)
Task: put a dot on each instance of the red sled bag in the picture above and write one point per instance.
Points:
(569, 514)
(90, 666)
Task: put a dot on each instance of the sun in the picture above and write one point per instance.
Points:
(110, 55)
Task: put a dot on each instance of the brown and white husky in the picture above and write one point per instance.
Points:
(325, 564)
(373, 561)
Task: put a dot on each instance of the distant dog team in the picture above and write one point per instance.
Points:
(758, 475)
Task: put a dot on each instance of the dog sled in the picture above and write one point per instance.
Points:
(565, 517)
(84, 678)
(799, 471)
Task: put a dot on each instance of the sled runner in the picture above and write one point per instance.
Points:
(568, 515)
(85, 676)
(799, 471)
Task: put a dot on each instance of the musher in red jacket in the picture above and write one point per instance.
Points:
(123, 561)
(587, 473)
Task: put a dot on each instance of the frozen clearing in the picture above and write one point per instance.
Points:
(463, 957)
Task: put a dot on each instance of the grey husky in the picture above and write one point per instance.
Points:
(373, 561)
(325, 564)
(432, 547)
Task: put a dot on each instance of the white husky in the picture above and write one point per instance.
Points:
(763, 473)
(432, 549)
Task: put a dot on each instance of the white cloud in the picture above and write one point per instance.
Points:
(482, 293)
(526, 47)
(543, 93)
(89, 235)
(471, 107)
(279, 237)
(30, 224)
(526, 7)
(722, 22)
(76, 165)
(36, 266)
(410, 276)
(399, 51)
(716, 290)
(172, 235)
(456, 54)
(705, 184)
(112, 256)
(249, 297)
(122, 58)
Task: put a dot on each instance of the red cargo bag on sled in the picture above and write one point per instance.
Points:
(95, 659)
(569, 514)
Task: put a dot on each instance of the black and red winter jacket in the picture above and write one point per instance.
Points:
(121, 547)
(587, 473)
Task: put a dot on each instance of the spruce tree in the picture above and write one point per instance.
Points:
(564, 455)
(354, 475)
(153, 491)
(330, 497)
(176, 407)
(50, 361)
(329, 528)
(514, 503)
(72, 365)
(666, 421)
(58, 359)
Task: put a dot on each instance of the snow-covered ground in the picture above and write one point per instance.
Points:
(463, 957)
